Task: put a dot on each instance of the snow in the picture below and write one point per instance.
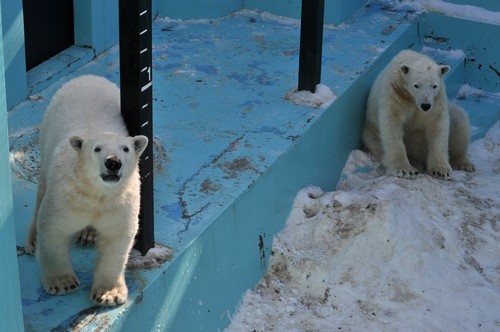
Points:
(449, 54)
(322, 97)
(387, 254)
(468, 12)
(466, 91)
(154, 257)
(472, 13)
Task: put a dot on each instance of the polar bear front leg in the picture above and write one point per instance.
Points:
(437, 139)
(109, 287)
(395, 158)
(52, 251)
(30, 245)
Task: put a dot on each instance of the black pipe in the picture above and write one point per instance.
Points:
(311, 44)
(135, 25)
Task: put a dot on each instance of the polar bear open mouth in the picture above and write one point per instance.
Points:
(111, 177)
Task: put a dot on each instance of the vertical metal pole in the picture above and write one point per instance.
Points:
(311, 44)
(136, 88)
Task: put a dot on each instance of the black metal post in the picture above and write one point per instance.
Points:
(311, 44)
(136, 88)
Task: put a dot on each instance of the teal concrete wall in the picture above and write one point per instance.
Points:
(482, 65)
(13, 48)
(10, 297)
(96, 24)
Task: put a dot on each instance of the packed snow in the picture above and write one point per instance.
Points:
(322, 97)
(387, 254)
(468, 12)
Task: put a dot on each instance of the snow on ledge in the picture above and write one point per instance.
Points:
(468, 12)
(153, 258)
(321, 98)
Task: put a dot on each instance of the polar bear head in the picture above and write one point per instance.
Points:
(424, 80)
(108, 158)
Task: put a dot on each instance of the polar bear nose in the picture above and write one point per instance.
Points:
(425, 106)
(113, 163)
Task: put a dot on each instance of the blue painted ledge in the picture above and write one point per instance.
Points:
(231, 153)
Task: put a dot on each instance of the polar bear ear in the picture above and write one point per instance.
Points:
(444, 69)
(405, 69)
(76, 142)
(140, 142)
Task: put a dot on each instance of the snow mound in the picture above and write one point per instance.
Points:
(387, 254)
(154, 257)
(321, 98)
(468, 12)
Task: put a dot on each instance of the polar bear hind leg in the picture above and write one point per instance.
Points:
(459, 139)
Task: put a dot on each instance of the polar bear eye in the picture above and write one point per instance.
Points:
(416, 86)
(97, 149)
(434, 86)
(126, 149)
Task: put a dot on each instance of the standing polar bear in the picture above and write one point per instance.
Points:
(88, 178)
(410, 126)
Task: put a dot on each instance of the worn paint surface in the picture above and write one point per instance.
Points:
(230, 153)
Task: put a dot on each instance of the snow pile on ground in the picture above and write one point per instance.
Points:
(468, 12)
(321, 98)
(154, 258)
(387, 254)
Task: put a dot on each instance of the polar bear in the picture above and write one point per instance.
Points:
(410, 126)
(89, 179)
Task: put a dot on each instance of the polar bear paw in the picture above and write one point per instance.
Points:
(88, 236)
(109, 296)
(29, 247)
(442, 171)
(407, 172)
(464, 165)
(60, 284)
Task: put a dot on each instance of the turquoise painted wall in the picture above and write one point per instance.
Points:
(13, 48)
(481, 63)
(96, 24)
(10, 297)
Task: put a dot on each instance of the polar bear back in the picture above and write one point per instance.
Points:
(85, 106)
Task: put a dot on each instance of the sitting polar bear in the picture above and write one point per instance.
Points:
(410, 126)
(89, 179)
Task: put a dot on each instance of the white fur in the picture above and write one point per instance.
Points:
(409, 124)
(81, 133)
